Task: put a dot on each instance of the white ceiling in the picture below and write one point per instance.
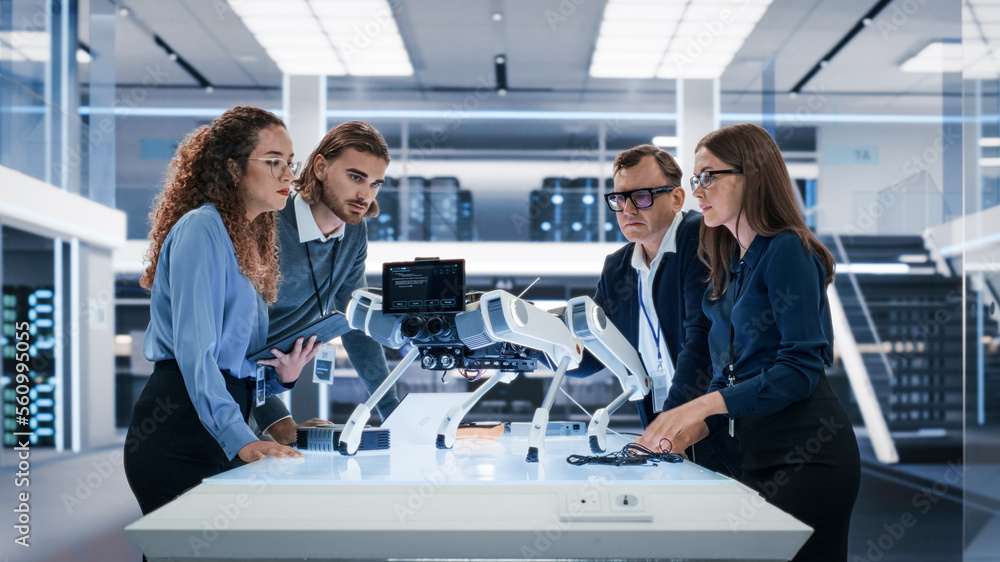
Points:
(452, 44)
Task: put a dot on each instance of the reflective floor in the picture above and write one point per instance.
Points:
(79, 505)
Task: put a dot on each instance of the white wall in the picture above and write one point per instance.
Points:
(97, 360)
(847, 189)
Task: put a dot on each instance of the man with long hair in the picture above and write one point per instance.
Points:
(323, 243)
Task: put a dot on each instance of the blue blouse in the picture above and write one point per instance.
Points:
(206, 314)
(783, 332)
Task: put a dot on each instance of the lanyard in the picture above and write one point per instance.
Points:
(731, 367)
(656, 332)
(329, 285)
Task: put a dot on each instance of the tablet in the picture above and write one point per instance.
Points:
(325, 329)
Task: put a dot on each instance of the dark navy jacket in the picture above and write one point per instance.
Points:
(678, 288)
(781, 323)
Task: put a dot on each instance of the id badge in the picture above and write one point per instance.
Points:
(260, 393)
(324, 364)
(660, 391)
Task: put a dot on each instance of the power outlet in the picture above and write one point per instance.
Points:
(583, 501)
(627, 502)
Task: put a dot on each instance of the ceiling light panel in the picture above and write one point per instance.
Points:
(328, 37)
(675, 38)
(936, 57)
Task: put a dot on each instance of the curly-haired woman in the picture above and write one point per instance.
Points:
(213, 267)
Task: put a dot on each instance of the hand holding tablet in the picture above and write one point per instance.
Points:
(325, 329)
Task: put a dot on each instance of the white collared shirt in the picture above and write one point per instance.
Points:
(657, 361)
(308, 229)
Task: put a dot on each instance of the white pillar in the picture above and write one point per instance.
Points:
(697, 115)
(304, 107)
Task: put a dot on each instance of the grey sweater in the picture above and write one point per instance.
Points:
(338, 267)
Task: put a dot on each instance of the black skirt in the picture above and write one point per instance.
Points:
(167, 449)
(804, 460)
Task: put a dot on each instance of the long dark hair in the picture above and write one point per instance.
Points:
(768, 200)
(202, 172)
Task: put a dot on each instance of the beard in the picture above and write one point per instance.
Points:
(342, 208)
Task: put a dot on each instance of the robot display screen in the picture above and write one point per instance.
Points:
(423, 286)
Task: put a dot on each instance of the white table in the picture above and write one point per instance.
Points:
(478, 500)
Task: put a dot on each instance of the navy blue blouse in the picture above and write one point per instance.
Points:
(783, 333)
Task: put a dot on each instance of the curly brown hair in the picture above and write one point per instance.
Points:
(203, 171)
(354, 134)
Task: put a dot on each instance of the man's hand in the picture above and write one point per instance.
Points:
(284, 430)
(257, 450)
(683, 426)
(289, 365)
(314, 422)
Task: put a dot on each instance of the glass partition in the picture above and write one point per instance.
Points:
(972, 247)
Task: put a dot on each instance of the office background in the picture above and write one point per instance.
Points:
(503, 118)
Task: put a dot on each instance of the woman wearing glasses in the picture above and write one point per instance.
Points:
(770, 339)
(213, 267)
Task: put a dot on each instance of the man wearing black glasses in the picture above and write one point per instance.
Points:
(652, 290)
(322, 246)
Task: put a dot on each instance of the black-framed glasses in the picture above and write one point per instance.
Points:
(279, 165)
(704, 179)
(642, 198)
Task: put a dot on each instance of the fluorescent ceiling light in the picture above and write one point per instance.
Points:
(328, 37)
(293, 41)
(348, 9)
(666, 141)
(672, 39)
(989, 162)
(936, 57)
(989, 141)
(623, 70)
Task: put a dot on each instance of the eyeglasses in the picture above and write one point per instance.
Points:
(641, 198)
(279, 165)
(704, 179)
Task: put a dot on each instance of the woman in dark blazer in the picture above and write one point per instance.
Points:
(770, 339)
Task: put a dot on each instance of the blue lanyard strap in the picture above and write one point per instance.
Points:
(656, 332)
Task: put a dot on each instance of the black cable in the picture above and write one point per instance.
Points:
(631, 454)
